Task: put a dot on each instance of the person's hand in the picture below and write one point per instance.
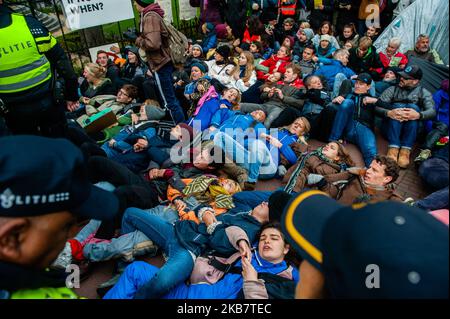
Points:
(72, 105)
(370, 100)
(112, 142)
(321, 7)
(140, 145)
(212, 128)
(267, 90)
(209, 218)
(410, 115)
(396, 114)
(85, 100)
(134, 118)
(248, 271)
(338, 100)
(149, 74)
(275, 142)
(236, 76)
(180, 82)
(247, 84)
(272, 92)
(180, 205)
(348, 7)
(315, 59)
(245, 250)
(280, 94)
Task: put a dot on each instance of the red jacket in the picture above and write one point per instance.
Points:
(272, 63)
(250, 38)
(298, 83)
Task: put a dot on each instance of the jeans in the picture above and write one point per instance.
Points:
(180, 261)
(257, 159)
(434, 201)
(354, 131)
(165, 86)
(434, 172)
(402, 134)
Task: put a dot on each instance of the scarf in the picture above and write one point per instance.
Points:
(322, 51)
(301, 164)
(242, 73)
(207, 189)
(210, 94)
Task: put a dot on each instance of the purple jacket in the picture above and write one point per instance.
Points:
(209, 12)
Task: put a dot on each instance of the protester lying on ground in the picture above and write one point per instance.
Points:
(260, 153)
(359, 185)
(185, 240)
(335, 240)
(331, 159)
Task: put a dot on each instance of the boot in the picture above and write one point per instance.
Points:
(403, 157)
(393, 153)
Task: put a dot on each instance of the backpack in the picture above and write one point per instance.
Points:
(177, 42)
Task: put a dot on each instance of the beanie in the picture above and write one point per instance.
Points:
(198, 46)
(221, 31)
(144, 3)
(309, 33)
(277, 203)
(202, 66)
(224, 51)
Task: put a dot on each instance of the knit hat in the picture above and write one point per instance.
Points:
(224, 51)
(291, 41)
(145, 3)
(277, 203)
(202, 66)
(198, 46)
(221, 31)
(325, 37)
(309, 33)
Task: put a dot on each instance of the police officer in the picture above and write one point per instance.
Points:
(28, 56)
(44, 193)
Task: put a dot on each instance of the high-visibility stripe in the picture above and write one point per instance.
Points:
(23, 69)
(27, 83)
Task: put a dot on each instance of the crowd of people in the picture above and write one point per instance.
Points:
(175, 150)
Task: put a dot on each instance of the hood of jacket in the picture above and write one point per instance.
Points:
(155, 7)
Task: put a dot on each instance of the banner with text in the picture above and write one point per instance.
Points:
(81, 14)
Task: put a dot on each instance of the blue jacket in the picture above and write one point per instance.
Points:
(208, 109)
(209, 42)
(330, 68)
(441, 105)
(286, 138)
(229, 287)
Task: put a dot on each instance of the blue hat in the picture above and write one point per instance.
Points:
(406, 247)
(40, 175)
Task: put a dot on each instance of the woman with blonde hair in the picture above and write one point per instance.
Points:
(95, 83)
(244, 74)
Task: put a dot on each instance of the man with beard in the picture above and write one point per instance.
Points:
(423, 51)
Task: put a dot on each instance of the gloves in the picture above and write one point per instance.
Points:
(314, 179)
(282, 170)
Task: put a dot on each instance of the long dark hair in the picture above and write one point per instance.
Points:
(255, 26)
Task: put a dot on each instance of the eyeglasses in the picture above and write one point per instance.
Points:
(121, 92)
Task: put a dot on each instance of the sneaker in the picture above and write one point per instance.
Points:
(423, 156)
(107, 285)
(64, 258)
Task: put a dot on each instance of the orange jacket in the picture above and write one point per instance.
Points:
(173, 193)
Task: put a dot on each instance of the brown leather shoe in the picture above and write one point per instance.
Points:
(393, 153)
(403, 157)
